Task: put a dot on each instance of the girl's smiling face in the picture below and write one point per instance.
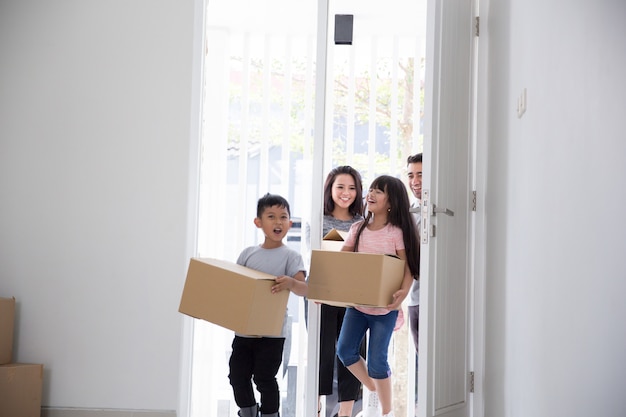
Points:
(344, 190)
(377, 201)
(275, 223)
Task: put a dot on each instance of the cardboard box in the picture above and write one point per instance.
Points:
(7, 325)
(20, 390)
(234, 297)
(353, 278)
(334, 240)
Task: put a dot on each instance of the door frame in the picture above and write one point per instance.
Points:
(193, 197)
(480, 155)
(478, 273)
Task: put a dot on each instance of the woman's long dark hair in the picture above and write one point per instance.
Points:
(356, 208)
(399, 216)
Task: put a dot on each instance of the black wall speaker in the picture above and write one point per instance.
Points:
(343, 29)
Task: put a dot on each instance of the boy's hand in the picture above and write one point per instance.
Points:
(296, 284)
(283, 282)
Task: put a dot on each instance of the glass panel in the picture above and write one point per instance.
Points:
(257, 127)
(375, 101)
(376, 95)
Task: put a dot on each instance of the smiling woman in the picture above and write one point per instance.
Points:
(258, 137)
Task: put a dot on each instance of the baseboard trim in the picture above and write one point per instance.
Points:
(100, 412)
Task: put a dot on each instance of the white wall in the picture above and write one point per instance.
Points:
(95, 102)
(555, 189)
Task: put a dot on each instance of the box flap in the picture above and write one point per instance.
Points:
(334, 234)
(236, 268)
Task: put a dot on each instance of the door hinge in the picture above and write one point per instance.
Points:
(471, 381)
(477, 26)
(474, 200)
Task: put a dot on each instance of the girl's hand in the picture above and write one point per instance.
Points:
(282, 282)
(398, 297)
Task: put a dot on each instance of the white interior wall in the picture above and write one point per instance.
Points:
(95, 102)
(555, 284)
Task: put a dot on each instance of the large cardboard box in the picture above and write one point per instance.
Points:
(20, 390)
(7, 325)
(234, 297)
(353, 278)
(334, 240)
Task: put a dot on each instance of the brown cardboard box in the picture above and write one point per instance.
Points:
(20, 389)
(352, 278)
(334, 240)
(7, 324)
(234, 297)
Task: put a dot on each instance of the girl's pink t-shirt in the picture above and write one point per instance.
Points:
(386, 241)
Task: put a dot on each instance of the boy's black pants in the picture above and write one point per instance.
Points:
(256, 359)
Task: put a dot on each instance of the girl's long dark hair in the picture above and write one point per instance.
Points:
(399, 216)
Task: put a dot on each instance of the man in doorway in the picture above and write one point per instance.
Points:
(414, 180)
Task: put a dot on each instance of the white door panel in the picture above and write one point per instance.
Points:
(445, 271)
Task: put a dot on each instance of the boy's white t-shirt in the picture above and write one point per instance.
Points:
(279, 261)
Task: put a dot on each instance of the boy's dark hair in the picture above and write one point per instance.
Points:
(271, 200)
(398, 216)
(356, 208)
(412, 159)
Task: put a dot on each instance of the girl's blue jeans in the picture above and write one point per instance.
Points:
(355, 325)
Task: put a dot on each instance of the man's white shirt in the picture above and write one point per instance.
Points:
(414, 294)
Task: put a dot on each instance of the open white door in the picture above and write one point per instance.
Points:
(444, 382)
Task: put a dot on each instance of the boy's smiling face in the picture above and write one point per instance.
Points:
(275, 223)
